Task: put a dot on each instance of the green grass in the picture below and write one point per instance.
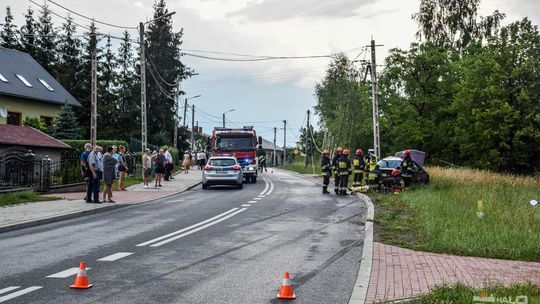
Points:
(442, 217)
(299, 167)
(24, 197)
(462, 294)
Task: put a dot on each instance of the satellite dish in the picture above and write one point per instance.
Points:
(3, 112)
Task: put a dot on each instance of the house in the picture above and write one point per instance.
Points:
(21, 139)
(27, 90)
(268, 146)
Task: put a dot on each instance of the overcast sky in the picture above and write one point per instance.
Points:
(265, 93)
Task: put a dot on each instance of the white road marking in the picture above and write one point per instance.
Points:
(198, 229)
(10, 288)
(186, 229)
(257, 198)
(261, 196)
(175, 201)
(66, 273)
(19, 293)
(266, 185)
(252, 202)
(116, 256)
(246, 205)
(271, 188)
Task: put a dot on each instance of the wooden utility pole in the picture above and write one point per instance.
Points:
(274, 157)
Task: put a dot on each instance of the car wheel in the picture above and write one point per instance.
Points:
(240, 186)
(254, 179)
(204, 186)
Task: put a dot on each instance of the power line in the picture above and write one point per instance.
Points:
(58, 15)
(155, 69)
(92, 19)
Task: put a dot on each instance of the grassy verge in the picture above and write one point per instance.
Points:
(299, 167)
(24, 197)
(460, 294)
(441, 217)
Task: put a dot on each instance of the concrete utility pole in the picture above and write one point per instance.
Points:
(224, 120)
(307, 140)
(93, 94)
(176, 106)
(185, 112)
(192, 126)
(143, 89)
(376, 138)
(284, 142)
(274, 156)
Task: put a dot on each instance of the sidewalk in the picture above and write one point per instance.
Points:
(37, 213)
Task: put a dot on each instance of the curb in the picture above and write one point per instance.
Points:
(360, 289)
(57, 218)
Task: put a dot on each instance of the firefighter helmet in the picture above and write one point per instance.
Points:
(395, 172)
(325, 152)
(359, 152)
(407, 152)
(372, 151)
(339, 149)
(346, 152)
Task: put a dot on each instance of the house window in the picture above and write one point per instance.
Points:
(3, 79)
(47, 120)
(46, 85)
(21, 78)
(14, 118)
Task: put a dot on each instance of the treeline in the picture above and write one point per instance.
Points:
(466, 92)
(66, 54)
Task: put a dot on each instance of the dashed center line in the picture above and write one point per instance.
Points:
(246, 205)
(19, 293)
(257, 198)
(66, 273)
(116, 256)
(252, 202)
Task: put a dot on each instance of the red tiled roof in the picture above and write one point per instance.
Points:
(27, 136)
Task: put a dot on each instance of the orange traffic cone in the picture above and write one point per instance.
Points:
(81, 281)
(286, 290)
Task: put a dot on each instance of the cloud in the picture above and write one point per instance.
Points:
(275, 10)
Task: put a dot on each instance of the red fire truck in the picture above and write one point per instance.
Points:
(242, 144)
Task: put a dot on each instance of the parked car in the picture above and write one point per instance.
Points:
(222, 170)
(388, 164)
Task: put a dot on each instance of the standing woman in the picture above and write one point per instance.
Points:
(160, 167)
(122, 168)
(186, 162)
(109, 165)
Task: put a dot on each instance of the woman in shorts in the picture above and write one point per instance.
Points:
(160, 167)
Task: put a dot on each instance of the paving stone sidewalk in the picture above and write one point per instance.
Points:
(31, 214)
(399, 273)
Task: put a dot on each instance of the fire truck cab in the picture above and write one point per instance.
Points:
(240, 143)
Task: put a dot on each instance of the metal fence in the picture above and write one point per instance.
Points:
(29, 171)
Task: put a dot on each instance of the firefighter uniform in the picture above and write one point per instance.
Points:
(407, 169)
(371, 161)
(344, 170)
(359, 166)
(337, 155)
(326, 171)
(375, 178)
(261, 156)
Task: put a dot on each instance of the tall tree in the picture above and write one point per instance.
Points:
(8, 35)
(46, 53)
(164, 69)
(454, 23)
(69, 63)
(127, 91)
(28, 33)
(108, 113)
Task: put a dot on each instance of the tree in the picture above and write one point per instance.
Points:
(69, 61)
(164, 69)
(65, 124)
(35, 123)
(454, 23)
(28, 33)
(8, 37)
(107, 106)
(46, 53)
(497, 103)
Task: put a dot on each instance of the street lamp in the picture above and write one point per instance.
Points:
(224, 116)
(144, 138)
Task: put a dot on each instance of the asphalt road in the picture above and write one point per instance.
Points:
(221, 245)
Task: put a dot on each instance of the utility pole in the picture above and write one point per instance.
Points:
(284, 142)
(93, 94)
(192, 126)
(176, 106)
(185, 111)
(143, 89)
(224, 120)
(376, 138)
(307, 140)
(274, 156)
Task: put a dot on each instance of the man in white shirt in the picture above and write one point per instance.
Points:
(201, 160)
(169, 165)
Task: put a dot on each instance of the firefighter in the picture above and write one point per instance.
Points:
(371, 161)
(359, 165)
(261, 156)
(407, 168)
(337, 155)
(326, 170)
(397, 184)
(344, 169)
(375, 179)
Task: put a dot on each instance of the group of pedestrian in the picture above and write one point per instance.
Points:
(361, 167)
